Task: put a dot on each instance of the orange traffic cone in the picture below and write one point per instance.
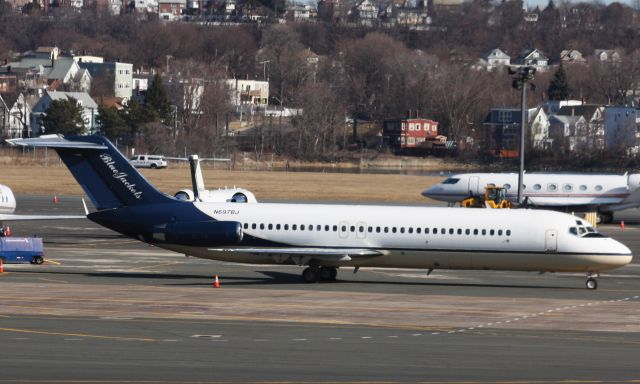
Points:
(622, 224)
(55, 199)
(1, 265)
(7, 231)
(216, 284)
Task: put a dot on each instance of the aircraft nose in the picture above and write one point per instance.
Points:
(432, 191)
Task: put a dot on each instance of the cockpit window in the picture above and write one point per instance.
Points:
(584, 231)
(451, 180)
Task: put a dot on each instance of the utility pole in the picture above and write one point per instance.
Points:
(522, 76)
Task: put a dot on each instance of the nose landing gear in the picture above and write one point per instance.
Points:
(591, 282)
(313, 274)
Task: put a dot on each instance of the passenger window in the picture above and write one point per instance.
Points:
(507, 186)
(335, 228)
(319, 227)
(253, 226)
(294, 227)
(311, 227)
(583, 188)
(499, 232)
(410, 230)
(443, 231)
(401, 229)
(394, 229)
(435, 231)
(377, 229)
(418, 230)
(567, 187)
(352, 228)
(286, 227)
(492, 232)
(270, 227)
(475, 231)
(246, 225)
(459, 231)
(261, 226)
(536, 187)
(467, 231)
(484, 232)
(386, 229)
(508, 232)
(451, 230)
(426, 230)
(598, 188)
(326, 228)
(278, 227)
(344, 228)
(370, 229)
(361, 229)
(302, 227)
(552, 187)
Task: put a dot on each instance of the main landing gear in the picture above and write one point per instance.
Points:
(313, 274)
(592, 283)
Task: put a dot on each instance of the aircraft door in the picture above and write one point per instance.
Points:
(361, 230)
(474, 181)
(551, 241)
(343, 230)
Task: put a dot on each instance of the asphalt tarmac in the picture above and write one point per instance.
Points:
(105, 308)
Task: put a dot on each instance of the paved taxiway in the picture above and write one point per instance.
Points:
(110, 308)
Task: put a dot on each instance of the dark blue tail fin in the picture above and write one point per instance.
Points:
(102, 171)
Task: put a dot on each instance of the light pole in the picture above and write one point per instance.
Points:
(264, 69)
(168, 57)
(522, 75)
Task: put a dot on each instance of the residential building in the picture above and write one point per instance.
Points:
(578, 128)
(116, 73)
(401, 134)
(67, 73)
(551, 107)
(533, 58)
(15, 114)
(620, 128)
(89, 110)
(171, 9)
(571, 56)
(494, 59)
(248, 92)
(364, 12)
(608, 55)
(502, 127)
(299, 12)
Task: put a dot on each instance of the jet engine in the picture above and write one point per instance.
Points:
(185, 194)
(203, 233)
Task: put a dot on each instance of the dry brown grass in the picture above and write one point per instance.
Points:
(56, 179)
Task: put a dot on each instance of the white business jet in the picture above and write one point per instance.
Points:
(604, 193)
(324, 237)
(200, 193)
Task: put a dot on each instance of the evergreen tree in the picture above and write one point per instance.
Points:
(112, 123)
(64, 117)
(559, 86)
(158, 100)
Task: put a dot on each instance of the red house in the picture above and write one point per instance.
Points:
(408, 133)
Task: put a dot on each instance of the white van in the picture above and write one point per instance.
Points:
(148, 161)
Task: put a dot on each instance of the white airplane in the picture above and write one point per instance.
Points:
(200, 193)
(325, 237)
(576, 192)
(8, 207)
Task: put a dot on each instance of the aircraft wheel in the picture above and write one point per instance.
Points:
(310, 275)
(592, 283)
(38, 260)
(328, 273)
(604, 218)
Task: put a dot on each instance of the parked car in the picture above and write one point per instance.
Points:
(148, 161)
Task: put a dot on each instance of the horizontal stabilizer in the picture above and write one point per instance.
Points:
(55, 141)
(14, 217)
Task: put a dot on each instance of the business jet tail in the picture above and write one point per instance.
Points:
(104, 174)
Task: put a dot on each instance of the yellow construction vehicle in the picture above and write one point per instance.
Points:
(494, 197)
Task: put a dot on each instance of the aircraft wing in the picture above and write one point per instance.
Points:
(14, 217)
(305, 254)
